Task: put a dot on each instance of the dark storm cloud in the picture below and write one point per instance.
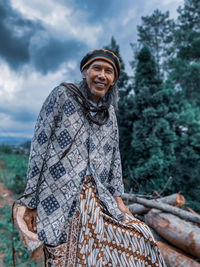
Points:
(24, 115)
(50, 56)
(15, 43)
(19, 114)
(15, 34)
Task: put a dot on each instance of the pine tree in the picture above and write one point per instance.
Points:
(185, 74)
(156, 33)
(186, 167)
(185, 66)
(153, 135)
(124, 112)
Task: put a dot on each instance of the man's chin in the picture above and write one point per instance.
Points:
(98, 92)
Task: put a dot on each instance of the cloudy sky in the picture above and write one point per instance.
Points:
(42, 43)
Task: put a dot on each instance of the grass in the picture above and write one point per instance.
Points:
(13, 168)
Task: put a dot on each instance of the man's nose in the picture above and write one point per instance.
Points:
(102, 74)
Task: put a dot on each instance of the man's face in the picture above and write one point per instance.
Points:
(99, 76)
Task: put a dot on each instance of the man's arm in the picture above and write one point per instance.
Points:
(122, 207)
(44, 128)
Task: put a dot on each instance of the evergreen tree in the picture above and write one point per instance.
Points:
(153, 135)
(185, 73)
(156, 33)
(124, 112)
(185, 66)
(186, 167)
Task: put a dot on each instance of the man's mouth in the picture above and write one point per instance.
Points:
(99, 84)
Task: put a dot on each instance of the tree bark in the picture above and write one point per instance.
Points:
(176, 231)
(174, 257)
(176, 200)
(191, 210)
(168, 208)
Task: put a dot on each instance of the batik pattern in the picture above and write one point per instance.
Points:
(65, 255)
(60, 174)
(103, 241)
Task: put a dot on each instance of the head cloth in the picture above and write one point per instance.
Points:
(101, 54)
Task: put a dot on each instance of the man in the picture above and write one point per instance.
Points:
(75, 179)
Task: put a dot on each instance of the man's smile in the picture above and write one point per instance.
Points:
(99, 84)
(99, 77)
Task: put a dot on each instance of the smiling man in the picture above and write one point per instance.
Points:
(74, 178)
(99, 77)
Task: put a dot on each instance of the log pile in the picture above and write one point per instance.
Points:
(177, 231)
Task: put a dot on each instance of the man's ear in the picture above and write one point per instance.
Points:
(113, 82)
(83, 73)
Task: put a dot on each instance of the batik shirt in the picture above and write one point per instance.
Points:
(65, 142)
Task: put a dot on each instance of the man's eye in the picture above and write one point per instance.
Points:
(96, 68)
(109, 71)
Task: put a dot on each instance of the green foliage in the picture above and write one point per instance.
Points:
(153, 137)
(6, 237)
(13, 172)
(184, 65)
(186, 167)
(124, 112)
(185, 75)
(5, 149)
(156, 33)
(159, 122)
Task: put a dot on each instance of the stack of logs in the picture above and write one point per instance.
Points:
(176, 231)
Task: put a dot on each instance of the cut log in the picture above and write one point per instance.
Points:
(176, 200)
(191, 210)
(37, 255)
(174, 257)
(156, 236)
(138, 209)
(182, 234)
(168, 208)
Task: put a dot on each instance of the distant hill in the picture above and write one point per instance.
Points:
(13, 141)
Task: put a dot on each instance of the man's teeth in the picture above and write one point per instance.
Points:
(100, 84)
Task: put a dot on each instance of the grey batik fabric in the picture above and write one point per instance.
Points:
(63, 145)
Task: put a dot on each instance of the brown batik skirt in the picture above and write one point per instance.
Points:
(95, 238)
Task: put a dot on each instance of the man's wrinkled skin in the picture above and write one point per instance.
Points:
(30, 219)
(99, 77)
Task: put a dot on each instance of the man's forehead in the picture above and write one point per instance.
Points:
(101, 62)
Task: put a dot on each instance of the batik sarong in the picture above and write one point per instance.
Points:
(95, 238)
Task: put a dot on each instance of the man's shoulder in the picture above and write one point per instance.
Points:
(62, 89)
(60, 93)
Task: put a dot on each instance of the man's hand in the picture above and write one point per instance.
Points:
(30, 219)
(122, 207)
